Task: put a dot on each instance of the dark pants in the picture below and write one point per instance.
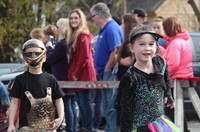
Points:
(170, 113)
(97, 100)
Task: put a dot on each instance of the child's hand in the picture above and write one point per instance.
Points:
(11, 128)
(171, 105)
(55, 124)
(49, 44)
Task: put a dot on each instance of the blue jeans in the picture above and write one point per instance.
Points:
(109, 98)
(70, 113)
(84, 102)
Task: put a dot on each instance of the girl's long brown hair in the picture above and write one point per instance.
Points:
(129, 22)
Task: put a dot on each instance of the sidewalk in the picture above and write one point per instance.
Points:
(194, 126)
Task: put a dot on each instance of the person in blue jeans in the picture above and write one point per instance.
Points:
(56, 56)
(70, 113)
(81, 64)
(109, 39)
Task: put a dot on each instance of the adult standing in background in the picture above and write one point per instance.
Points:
(110, 37)
(158, 27)
(179, 52)
(57, 57)
(81, 63)
(157, 24)
(178, 55)
(124, 57)
(140, 15)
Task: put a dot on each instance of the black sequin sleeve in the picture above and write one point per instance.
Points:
(168, 92)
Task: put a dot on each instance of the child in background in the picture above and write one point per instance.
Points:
(52, 32)
(38, 33)
(145, 86)
(39, 92)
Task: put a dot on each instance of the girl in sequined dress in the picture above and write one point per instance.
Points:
(145, 86)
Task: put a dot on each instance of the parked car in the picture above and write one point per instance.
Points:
(9, 67)
(195, 43)
(9, 71)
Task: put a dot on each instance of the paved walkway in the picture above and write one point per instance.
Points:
(194, 126)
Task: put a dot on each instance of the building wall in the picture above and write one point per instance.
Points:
(180, 9)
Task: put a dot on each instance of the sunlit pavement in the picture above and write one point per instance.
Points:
(194, 126)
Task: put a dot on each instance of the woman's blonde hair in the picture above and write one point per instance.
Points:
(62, 25)
(73, 33)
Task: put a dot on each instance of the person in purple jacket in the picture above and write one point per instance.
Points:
(57, 57)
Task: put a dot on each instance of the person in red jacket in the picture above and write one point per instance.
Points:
(81, 63)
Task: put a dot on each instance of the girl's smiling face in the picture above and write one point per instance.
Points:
(74, 19)
(144, 48)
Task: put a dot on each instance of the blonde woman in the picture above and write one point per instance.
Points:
(81, 63)
(56, 56)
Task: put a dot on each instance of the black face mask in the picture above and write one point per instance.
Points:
(34, 63)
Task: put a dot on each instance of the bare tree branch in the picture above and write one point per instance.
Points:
(85, 3)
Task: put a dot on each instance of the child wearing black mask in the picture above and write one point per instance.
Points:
(41, 106)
